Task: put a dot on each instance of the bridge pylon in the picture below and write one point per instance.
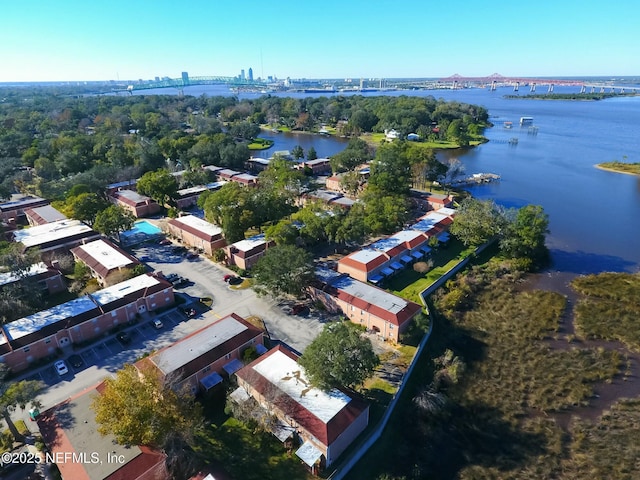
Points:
(493, 86)
(593, 89)
(583, 89)
(516, 87)
(532, 88)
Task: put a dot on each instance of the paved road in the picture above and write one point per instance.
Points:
(108, 356)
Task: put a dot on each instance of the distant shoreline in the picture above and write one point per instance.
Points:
(614, 170)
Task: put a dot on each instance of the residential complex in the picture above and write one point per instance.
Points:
(326, 422)
(246, 253)
(197, 233)
(103, 258)
(199, 361)
(30, 338)
(138, 205)
(41, 215)
(60, 235)
(379, 311)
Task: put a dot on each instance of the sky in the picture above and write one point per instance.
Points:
(73, 40)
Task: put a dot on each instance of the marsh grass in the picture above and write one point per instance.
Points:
(609, 308)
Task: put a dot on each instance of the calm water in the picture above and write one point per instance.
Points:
(594, 215)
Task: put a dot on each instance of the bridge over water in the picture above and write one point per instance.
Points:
(180, 83)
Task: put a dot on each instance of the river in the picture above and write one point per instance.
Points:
(594, 215)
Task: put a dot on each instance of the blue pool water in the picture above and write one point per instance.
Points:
(140, 232)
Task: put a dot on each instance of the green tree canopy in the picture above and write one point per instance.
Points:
(85, 207)
(339, 356)
(138, 409)
(159, 185)
(284, 270)
(525, 235)
(356, 153)
(391, 169)
(113, 220)
(16, 394)
(478, 221)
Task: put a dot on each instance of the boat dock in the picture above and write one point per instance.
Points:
(476, 179)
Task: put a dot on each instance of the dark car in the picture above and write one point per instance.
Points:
(179, 250)
(124, 338)
(172, 276)
(164, 241)
(75, 361)
(235, 280)
(299, 309)
(192, 256)
(189, 312)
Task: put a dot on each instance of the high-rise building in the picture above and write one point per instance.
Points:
(250, 74)
(242, 75)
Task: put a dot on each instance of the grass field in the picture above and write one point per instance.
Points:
(621, 167)
(409, 283)
(260, 144)
(376, 138)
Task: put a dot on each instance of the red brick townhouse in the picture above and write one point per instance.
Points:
(139, 205)
(60, 235)
(198, 233)
(45, 214)
(103, 258)
(247, 252)
(48, 279)
(14, 210)
(30, 338)
(325, 422)
(377, 310)
(198, 361)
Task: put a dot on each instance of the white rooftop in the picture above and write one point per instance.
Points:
(37, 321)
(284, 372)
(386, 244)
(428, 221)
(408, 235)
(450, 212)
(10, 277)
(366, 255)
(370, 294)
(180, 353)
(49, 213)
(249, 243)
(200, 225)
(48, 232)
(191, 190)
(106, 254)
(131, 195)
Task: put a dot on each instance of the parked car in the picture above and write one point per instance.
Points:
(179, 250)
(124, 338)
(235, 280)
(299, 309)
(158, 323)
(61, 367)
(227, 277)
(192, 256)
(179, 281)
(164, 241)
(172, 276)
(145, 258)
(189, 312)
(75, 361)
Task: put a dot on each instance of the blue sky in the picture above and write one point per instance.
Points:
(44, 40)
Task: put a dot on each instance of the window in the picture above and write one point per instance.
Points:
(206, 369)
(390, 327)
(114, 314)
(26, 349)
(227, 356)
(48, 340)
(167, 299)
(361, 312)
(95, 320)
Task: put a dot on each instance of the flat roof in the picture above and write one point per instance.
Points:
(131, 195)
(33, 236)
(407, 235)
(372, 295)
(386, 244)
(11, 277)
(180, 353)
(105, 254)
(366, 255)
(18, 202)
(77, 419)
(284, 372)
(245, 176)
(447, 211)
(37, 321)
(200, 225)
(250, 243)
(48, 213)
(428, 221)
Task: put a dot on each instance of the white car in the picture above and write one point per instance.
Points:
(157, 323)
(61, 367)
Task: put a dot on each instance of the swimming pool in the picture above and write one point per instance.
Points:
(140, 232)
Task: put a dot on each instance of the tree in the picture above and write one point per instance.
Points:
(22, 296)
(159, 185)
(85, 207)
(16, 394)
(297, 152)
(284, 270)
(312, 154)
(113, 220)
(356, 153)
(478, 221)
(350, 183)
(384, 213)
(339, 356)
(283, 233)
(525, 235)
(137, 408)
(390, 170)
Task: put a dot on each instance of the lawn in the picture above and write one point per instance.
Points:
(260, 144)
(409, 283)
(249, 453)
(376, 138)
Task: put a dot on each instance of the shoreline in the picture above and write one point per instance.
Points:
(609, 169)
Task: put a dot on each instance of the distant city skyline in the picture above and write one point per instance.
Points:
(79, 41)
